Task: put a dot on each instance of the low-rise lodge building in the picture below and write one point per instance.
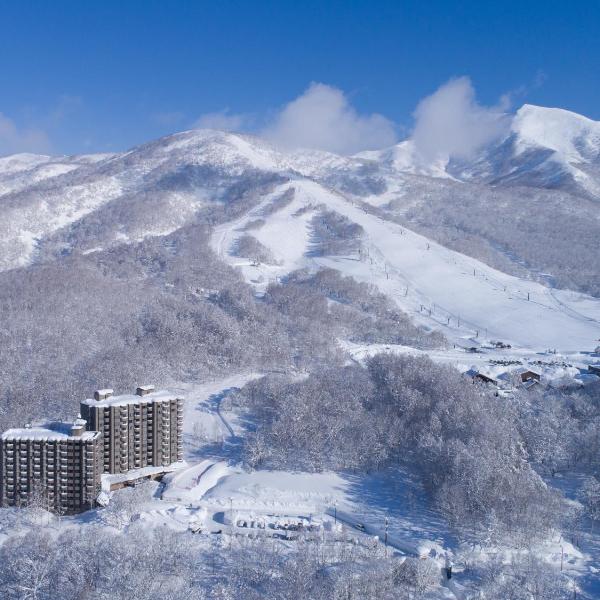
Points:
(529, 376)
(57, 468)
(478, 377)
(138, 430)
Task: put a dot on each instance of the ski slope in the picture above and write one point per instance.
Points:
(440, 288)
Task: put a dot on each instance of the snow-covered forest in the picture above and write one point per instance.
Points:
(161, 563)
(481, 458)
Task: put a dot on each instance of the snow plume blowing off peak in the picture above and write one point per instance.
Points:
(223, 120)
(451, 123)
(14, 139)
(322, 118)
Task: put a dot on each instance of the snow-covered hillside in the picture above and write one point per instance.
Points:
(51, 207)
(97, 201)
(574, 138)
(59, 199)
(467, 299)
(546, 147)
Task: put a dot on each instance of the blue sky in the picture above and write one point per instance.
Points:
(100, 76)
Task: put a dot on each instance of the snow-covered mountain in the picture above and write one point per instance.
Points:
(500, 208)
(546, 147)
(97, 201)
(208, 259)
(44, 197)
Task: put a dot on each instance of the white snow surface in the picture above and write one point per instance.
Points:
(44, 196)
(125, 399)
(467, 298)
(45, 434)
(404, 157)
(212, 495)
(109, 479)
(573, 137)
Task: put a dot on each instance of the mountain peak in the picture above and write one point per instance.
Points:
(573, 137)
(530, 110)
(21, 162)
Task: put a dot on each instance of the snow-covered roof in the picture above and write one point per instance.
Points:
(79, 422)
(110, 478)
(105, 392)
(59, 432)
(126, 399)
(473, 372)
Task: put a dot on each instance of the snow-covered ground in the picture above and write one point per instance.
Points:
(212, 494)
(500, 364)
(466, 299)
(215, 494)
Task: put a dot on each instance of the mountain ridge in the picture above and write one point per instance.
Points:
(52, 206)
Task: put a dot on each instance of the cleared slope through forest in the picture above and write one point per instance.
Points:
(439, 287)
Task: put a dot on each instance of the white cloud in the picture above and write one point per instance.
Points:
(223, 120)
(14, 139)
(323, 118)
(451, 123)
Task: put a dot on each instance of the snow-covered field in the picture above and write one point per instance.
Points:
(501, 365)
(215, 494)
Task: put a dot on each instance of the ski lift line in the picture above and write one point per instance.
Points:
(435, 312)
(496, 285)
(425, 300)
(570, 311)
(440, 314)
(500, 286)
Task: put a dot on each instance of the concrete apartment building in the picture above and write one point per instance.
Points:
(139, 430)
(58, 468)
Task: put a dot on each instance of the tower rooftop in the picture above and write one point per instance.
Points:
(126, 399)
(56, 432)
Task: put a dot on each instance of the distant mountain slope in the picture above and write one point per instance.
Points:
(527, 204)
(22, 170)
(437, 287)
(546, 147)
(106, 275)
(151, 190)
